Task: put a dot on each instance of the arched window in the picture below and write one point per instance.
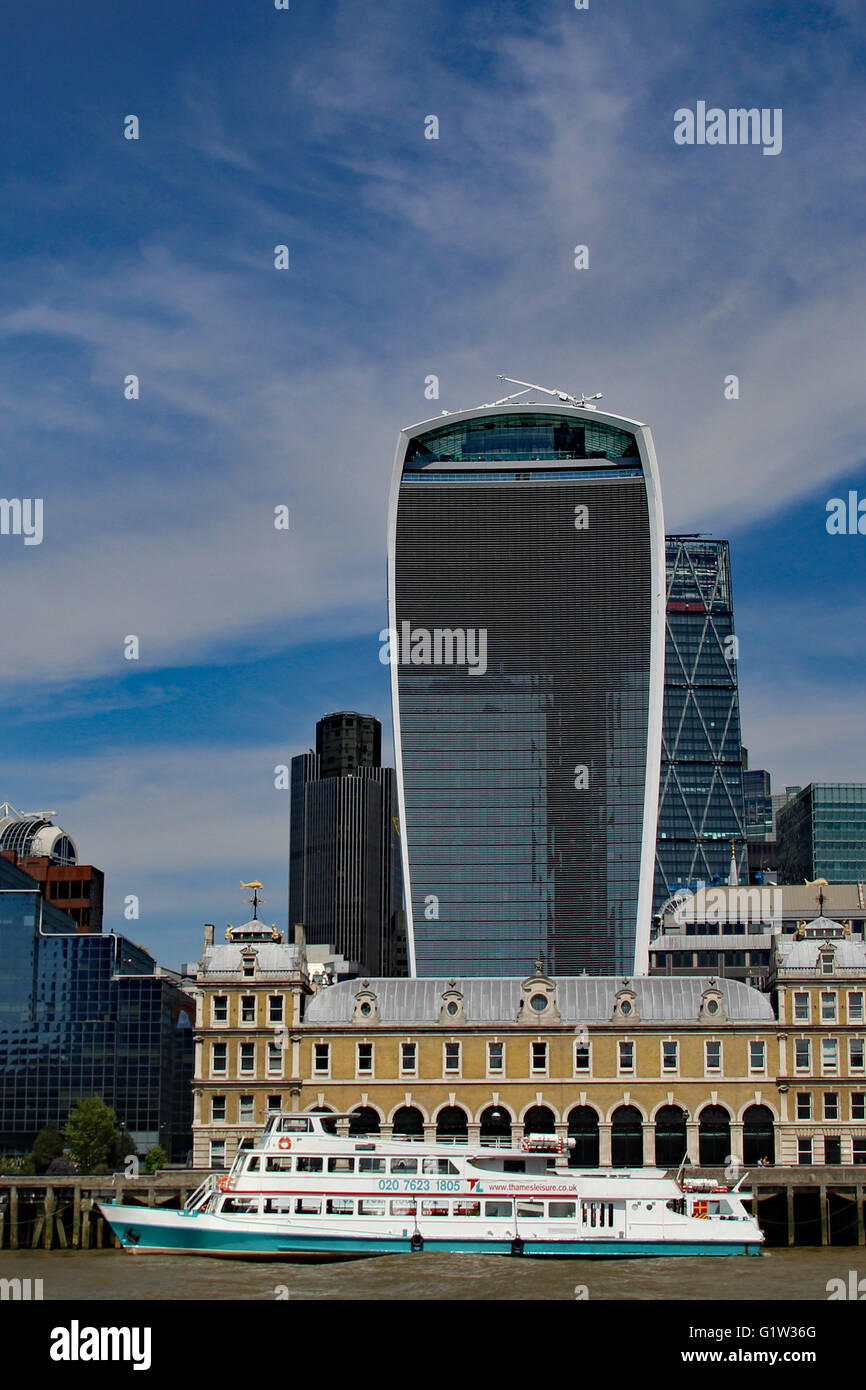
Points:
(583, 1129)
(626, 1138)
(539, 1119)
(452, 1123)
(408, 1123)
(364, 1120)
(495, 1126)
(759, 1135)
(670, 1136)
(714, 1134)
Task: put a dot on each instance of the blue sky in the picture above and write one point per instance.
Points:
(408, 257)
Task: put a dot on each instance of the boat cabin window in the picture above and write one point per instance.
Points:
(434, 1208)
(277, 1206)
(308, 1163)
(439, 1165)
(404, 1165)
(253, 1164)
(597, 1213)
(371, 1206)
(340, 1206)
(467, 1208)
(371, 1165)
(245, 1205)
(294, 1124)
(514, 1165)
(341, 1165)
(498, 1209)
(278, 1163)
(329, 1126)
(677, 1204)
(561, 1211)
(308, 1206)
(529, 1210)
(404, 1207)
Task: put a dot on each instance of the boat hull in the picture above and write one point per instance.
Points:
(143, 1230)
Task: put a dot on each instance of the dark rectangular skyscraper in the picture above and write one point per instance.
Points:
(526, 638)
(344, 866)
(701, 810)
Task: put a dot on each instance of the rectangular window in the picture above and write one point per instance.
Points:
(495, 1058)
(404, 1206)
(275, 1008)
(670, 1058)
(858, 1105)
(372, 1165)
(856, 1054)
(218, 1108)
(757, 1056)
(275, 1059)
(321, 1058)
(219, 1057)
(308, 1206)
(341, 1165)
(248, 1059)
(248, 1008)
(249, 970)
(802, 1054)
(561, 1211)
(452, 1059)
(832, 1148)
(435, 1207)
(277, 1205)
(340, 1206)
(626, 1056)
(804, 1105)
(804, 1151)
(500, 1211)
(713, 1055)
(831, 1105)
(278, 1163)
(801, 1007)
(309, 1163)
(220, 1008)
(365, 1059)
(855, 1006)
(467, 1208)
(404, 1165)
(581, 1057)
(829, 1055)
(275, 1105)
(408, 1058)
(246, 1105)
(438, 1165)
(529, 1210)
(826, 965)
(859, 1154)
(217, 1153)
(539, 1057)
(371, 1206)
(828, 1006)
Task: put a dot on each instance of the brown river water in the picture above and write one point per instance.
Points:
(796, 1274)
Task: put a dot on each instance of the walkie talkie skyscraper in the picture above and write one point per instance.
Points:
(526, 562)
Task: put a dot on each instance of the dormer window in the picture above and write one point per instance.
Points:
(826, 963)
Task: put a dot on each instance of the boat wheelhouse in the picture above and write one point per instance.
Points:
(309, 1190)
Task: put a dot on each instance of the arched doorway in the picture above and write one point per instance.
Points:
(364, 1120)
(626, 1137)
(539, 1119)
(408, 1123)
(452, 1123)
(759, 1135)
(714, 1136)
(670, 1136)
(495, 1127)
(583, 1129)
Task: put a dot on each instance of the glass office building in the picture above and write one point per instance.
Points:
(84, 1015)
(822, 833)
(701, 808)
(526, 642)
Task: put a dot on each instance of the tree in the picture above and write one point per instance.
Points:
(61, 1167)
(47, 1146)
(154, 1158)
(91, 1134)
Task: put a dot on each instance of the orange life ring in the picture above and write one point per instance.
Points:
(223, 1184)
(285, 1142)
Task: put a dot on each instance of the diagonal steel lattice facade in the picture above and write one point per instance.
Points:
(701, 808)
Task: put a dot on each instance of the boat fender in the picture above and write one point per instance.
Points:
(517, 1246)
(285, 1142)
(417, 1242)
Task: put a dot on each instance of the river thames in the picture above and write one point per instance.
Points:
(797, 1274)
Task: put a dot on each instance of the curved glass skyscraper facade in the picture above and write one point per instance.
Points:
(526, 585)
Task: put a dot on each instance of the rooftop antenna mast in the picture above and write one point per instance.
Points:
(560, 395)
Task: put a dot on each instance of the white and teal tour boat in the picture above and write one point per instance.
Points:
(310, 1190)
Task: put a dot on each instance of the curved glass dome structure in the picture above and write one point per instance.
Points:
(526, 642)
